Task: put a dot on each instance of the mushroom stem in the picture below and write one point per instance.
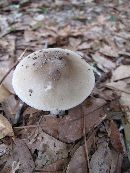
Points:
(57, 112)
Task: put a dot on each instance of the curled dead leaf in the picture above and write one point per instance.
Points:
(102, 159)
(109, 51)
(119, 85)
(5, 127)
(121, 72)
(103, 63)
(4, 93)
(115, 137)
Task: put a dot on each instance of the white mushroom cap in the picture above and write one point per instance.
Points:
(53, 79)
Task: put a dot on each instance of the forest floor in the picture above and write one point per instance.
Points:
(94, 136)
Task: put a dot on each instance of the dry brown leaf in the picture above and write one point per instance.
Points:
(71, 126)
(30, 111)
(3, 149)
(101, 159)
(95, 32)
(84, 45)
(4, 93)
(3, 43)
(124, 34)
(101, 19)
(5, 127)
(29, 35)
(109, 51)
(121, 72)
(8, 80)
(105, 93)
(22, 155)
(19, 159)
(55, 167)
(125, 99)
(125, 103)
(119, 85)
(11, 45)
(49, 149)
(50, 125)
(65, 31)
(117, 160)
(115, 137)
(3, 25)
(74, 42)
(11, 107)
(78, 162)
(103, 63)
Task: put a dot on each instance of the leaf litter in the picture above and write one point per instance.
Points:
(99, 32)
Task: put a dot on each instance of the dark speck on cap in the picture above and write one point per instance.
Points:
(34, 58)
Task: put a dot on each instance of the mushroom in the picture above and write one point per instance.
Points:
(53, 79)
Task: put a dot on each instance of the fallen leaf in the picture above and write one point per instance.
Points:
(109, 51)
(103, 63)
(127, 136)
(96, 44)
(123, 34)
(78, 162)
(11, 45)
(84, 45)
(3, 149)
(125, 103)
(119, 85)
(3, 43)
(50, 125)
(117, 160)
(22, 155)
(101, 19)
(39, 17)
(4, 93)
(57, 166)
(61, 128)
(105, 93)
(29, 111)
(71, 126)
(94, 33)
(3, 25)
(115, 137)
(11, 106)
(48, 148)
(125, 100)
(5, 127)
(101, 159)
(8, 80)
(74, 42)
(29, 35)
(121, 72)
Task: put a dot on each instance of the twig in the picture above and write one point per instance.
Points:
(85, 140)
(29, 126)
(41, 170)
(8, 72)
(116, 89)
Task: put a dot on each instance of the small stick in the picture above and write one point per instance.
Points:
(8, 72)
(85, 139)
(29, 126)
